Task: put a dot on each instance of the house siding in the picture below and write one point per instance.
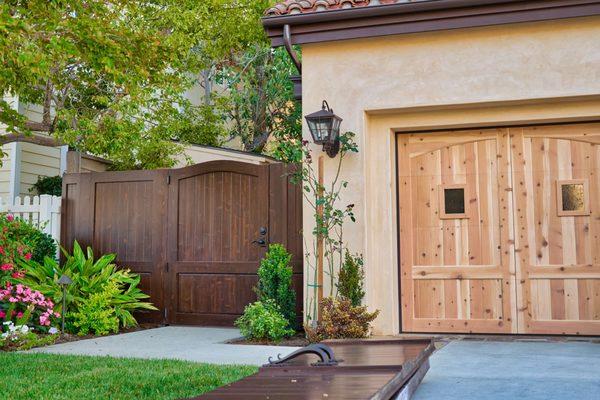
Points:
(5, 171)
(37, 161)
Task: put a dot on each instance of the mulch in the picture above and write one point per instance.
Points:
(298, 340)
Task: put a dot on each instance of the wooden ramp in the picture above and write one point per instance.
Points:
(349, 369)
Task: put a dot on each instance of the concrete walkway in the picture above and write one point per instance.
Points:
(204, 345)
(513, 370)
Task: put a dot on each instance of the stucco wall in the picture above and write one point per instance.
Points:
(512, 74)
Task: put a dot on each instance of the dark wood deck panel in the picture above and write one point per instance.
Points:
(367, 369)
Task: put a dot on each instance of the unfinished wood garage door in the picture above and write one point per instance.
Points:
(499, 230)
(455, 254)
(557, 225)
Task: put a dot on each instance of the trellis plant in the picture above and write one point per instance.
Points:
(329, 216)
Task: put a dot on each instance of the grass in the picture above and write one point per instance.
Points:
(57, 377)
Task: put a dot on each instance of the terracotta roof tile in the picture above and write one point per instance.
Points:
(288, 7)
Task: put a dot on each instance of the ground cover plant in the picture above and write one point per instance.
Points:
(102, 297)
(58, 377)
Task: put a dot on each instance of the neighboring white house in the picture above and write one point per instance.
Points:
(24, 162)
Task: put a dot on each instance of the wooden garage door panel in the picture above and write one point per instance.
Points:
(467, 299)
(455, 271)
(558, 255)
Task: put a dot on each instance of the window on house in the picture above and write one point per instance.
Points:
(452, 202)
(573, 197)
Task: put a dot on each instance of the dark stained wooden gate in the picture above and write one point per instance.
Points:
(196, 235)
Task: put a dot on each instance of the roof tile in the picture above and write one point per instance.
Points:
(288, 7)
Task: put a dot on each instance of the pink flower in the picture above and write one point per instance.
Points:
(44, 320)
(27, 256)
(6, 267)
(18, 275)
(2, 314)
(19, 314)
(10, 218)
(12, 299)
(1, 250)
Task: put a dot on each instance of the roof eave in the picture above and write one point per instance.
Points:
(422, 16)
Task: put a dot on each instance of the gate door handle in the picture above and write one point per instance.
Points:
(260, 242)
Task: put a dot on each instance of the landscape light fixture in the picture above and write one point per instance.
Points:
(324, 127)
(64, 281)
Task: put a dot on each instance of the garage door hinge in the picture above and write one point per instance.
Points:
(165, 313)
(168, 179)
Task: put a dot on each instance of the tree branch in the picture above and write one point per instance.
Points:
(48, 141)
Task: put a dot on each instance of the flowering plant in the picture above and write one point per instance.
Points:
(12, 247)
(22, 337)
(28, 307)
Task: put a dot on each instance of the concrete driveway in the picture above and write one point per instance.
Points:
(204, 345)
(467, 370)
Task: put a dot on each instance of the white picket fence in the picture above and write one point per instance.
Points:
(41, 211)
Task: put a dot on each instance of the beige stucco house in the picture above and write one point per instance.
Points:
(477, 185)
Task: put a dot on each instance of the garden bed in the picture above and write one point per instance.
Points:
(44, 340)
(298, 340)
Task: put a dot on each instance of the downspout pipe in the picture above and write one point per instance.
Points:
(287, 41)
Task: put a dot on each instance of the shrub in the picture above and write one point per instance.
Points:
(341, 320)
(350, 279)
(89, 277)
(51, 185)
(263, 321)
(19, 239)
(96, 314)
(275, 282)
(43, 245)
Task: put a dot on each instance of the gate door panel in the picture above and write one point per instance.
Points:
(218, 232)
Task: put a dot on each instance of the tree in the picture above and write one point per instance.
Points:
(260, 104)
(110, 74)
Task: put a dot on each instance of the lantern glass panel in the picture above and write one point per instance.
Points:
(335, 131)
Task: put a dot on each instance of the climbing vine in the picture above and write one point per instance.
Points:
(329, 216)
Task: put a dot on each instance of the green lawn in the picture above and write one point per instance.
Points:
(46, 376)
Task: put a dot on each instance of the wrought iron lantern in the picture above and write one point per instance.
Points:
(324, 127)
